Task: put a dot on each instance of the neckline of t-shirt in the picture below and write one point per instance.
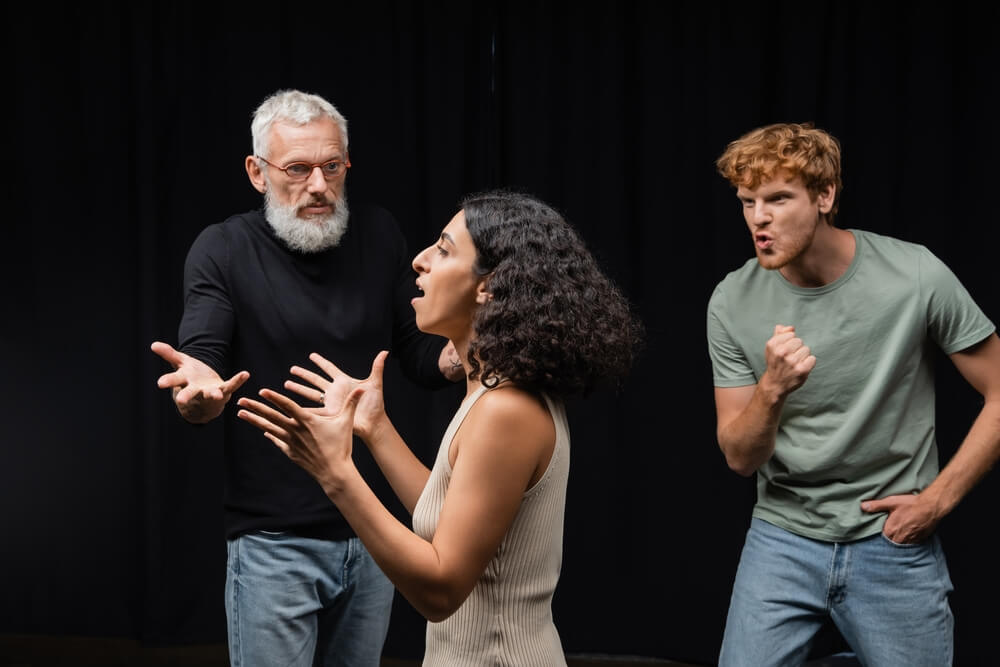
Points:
(859, 244)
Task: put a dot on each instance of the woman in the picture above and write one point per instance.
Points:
(533, 320)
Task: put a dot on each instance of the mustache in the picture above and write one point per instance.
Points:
(319, 200)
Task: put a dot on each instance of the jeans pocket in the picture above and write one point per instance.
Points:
(911, 545)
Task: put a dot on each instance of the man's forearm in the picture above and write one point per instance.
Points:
(977, 454)
(748, 439)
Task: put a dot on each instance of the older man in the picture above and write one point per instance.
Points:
(262, 291)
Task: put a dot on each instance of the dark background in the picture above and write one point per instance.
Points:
(126, 127)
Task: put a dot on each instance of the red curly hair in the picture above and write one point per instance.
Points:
(789, 149)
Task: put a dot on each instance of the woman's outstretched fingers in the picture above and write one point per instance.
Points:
(266, 412)
(280, 444)
(312, 377)
(270, 429)
(308, 393)
(328, 366)
(290, 407)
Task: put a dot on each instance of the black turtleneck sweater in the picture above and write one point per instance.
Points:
(251, 303)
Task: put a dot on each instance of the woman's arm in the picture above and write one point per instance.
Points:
(502, 448)
(405, 473)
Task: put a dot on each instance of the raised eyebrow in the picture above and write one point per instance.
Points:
(335, 158)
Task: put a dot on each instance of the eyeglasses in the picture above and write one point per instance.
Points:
(300, 171)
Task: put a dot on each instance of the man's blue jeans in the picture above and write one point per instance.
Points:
(304, 602)
(889, 601)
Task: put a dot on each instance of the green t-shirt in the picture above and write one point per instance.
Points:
(862, 425)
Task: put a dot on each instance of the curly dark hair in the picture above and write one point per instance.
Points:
(555, 322)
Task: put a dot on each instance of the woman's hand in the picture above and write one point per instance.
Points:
(332, 391)
(319, 440)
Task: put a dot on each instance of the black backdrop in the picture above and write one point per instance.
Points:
(125, 131)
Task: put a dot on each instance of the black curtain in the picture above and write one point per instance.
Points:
(126, 126)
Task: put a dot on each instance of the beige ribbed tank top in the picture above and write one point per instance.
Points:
(507, 619)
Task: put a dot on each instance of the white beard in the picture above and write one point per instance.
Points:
(306, 235)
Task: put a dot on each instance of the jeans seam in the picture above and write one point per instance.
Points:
(830, 578)
(351, 555)
(234, 605)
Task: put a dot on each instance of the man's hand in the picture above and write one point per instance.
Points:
(912, 518)
(199, 393)
(789, 361)
(450, 363)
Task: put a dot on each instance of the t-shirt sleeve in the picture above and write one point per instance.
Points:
(730, 367)
(207, 326)
(955, 322)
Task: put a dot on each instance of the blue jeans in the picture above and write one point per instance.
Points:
(304, 602)
(889, 601)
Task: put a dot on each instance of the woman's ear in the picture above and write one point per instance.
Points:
(483, 293)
